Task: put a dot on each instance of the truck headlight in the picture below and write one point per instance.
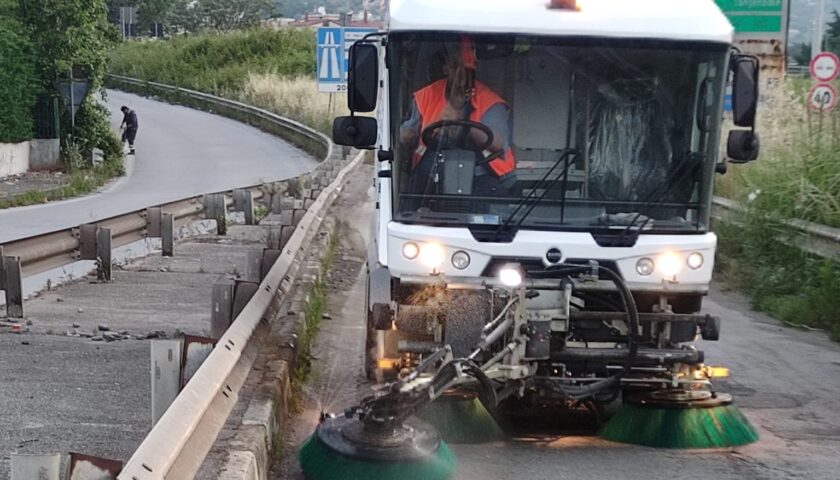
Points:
(695, 260)
(644, 266)
(460, 260)
(669, 264)
(432, 255)
(511, 276)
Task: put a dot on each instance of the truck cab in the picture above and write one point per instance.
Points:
(540, 160)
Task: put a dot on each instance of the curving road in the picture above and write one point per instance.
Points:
(180, 153)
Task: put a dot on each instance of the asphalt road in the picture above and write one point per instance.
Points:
(786, 381)
(180, 153)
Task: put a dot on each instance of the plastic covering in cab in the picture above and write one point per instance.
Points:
(630, 152)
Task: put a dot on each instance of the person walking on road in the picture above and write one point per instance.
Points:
(129, 124)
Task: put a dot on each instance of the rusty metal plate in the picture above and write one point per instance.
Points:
(88, 467)
(193, 353)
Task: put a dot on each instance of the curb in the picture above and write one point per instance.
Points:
(257, 435)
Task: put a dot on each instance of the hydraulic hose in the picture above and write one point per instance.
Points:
(587, 391)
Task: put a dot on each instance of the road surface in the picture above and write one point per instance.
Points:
(786, 381)
(180, 153)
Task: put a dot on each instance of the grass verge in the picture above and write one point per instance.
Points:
(313, 310)
(797, 176)
(81, 182)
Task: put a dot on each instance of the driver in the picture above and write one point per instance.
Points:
(459, 96)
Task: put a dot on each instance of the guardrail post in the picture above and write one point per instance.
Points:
(167, 234)
(243, 292)
(215, 209)
(243, 201)
(103, 254)
(269, 257)
(221, 313)
(11, 281)
(153, 221)
(87, 241)
(95, 244)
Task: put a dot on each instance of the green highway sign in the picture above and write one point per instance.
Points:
(757, 24)
(757, 18)
(776, 6)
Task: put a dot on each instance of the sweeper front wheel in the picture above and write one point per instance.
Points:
(346, 449)
(680, 419)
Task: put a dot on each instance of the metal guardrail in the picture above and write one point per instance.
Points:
(37, 254)
(811, 237)
(177, 445)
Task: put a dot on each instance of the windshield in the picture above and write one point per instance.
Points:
(554, 133)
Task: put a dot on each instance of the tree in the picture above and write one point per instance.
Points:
(153, 12)
(227, 15)
(74, 35)
(832, 34)
(801, 53)
(18, 83)
(220, 15)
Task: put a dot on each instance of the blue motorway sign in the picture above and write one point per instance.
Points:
(331, 55)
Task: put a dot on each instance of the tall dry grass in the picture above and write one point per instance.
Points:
(297, 98)
(797, 174)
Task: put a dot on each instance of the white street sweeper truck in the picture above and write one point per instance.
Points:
(543, 192)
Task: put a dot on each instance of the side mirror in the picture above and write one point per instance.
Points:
(744, 89)
(363, 77)
(742, 146)
(359, 132)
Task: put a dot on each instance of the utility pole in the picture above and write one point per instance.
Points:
(819, 28)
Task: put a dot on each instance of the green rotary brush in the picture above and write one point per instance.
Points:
(460, 417)
(346, 448)
(680, 419)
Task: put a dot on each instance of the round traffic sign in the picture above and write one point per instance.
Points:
(825, 66)
(822, 97)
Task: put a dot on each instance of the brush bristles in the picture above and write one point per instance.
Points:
(319, 462)
(714, 427)
(461, 420)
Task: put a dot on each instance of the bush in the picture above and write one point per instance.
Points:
(217, 64)
(797, 176)
(93, 130)
(18, 83)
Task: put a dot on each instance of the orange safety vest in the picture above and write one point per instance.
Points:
(431, 100)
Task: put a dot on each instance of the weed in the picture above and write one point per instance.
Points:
(82, 181)
(316, 302)
(797, 176)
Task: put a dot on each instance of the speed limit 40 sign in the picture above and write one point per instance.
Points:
(822, 97)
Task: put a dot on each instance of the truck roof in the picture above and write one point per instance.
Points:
(690, 20)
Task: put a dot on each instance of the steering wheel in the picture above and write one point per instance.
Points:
(436, 142)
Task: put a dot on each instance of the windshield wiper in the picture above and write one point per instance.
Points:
(668, 186)
(533, 191)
